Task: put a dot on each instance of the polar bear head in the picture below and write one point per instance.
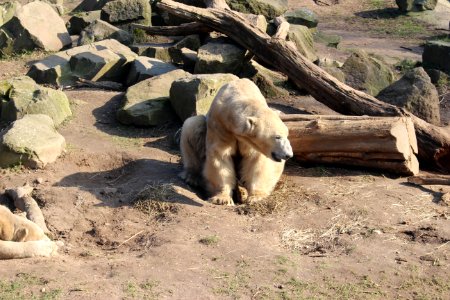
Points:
(268, 134)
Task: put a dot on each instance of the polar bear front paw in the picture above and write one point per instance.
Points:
(222, 200)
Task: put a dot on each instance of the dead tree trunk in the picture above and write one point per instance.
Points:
(384, 143)
(434, 142)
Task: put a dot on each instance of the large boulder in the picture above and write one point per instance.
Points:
(302, 16)
(330, 40)
(7, 10)
(436, 55)
(31, 141)
(100, 30)
(367, 73)
(57, 69)
(146, 67)
(98, 65)
(81, 20)
(123, 13)
(35, 24)
(268, 8)
(21, 96)
(193, 95)
(269, 82)
(219, 56)
(303, 39)
(416, 5)
(415, 92)
(147, 102)
(171, 52)
(57, 5)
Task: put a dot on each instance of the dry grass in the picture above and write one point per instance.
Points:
(156, 200)
(329, 239)
(278, 201)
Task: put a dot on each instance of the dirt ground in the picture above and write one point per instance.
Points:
(325, 233)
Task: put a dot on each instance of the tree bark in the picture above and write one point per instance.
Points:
(434, 142)
(430, 180)
(183, 29)
(384, 143)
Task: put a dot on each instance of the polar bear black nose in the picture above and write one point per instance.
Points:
(287, 156)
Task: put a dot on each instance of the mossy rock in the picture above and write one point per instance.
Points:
(367, 73)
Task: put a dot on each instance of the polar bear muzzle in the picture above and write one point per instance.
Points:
(282, 149)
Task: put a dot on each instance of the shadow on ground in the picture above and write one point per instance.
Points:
(106, 122)
(120, 186)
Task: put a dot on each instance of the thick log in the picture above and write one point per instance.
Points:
(434, 142)
(430, 180)
(183, 29)
(384, 143)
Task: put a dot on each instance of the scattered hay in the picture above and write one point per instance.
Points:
(331, 239)
(209, 240)
(278, 201)
(156, 200)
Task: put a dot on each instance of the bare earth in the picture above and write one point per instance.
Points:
(326, 233)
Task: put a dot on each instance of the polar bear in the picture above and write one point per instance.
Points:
(18, 229)
(239, 124)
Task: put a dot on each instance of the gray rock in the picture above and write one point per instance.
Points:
(146, 67)
(81, 20)
(147, 102)
(100, 30)
(332, 67)
(124, 12)
(193, 95)
(169, 52)
(269, 82)
(302, 37)
(437, 77)
(415, 92)
(330, 40)
(416, 5)
(302, 16)
(7, 10)
(436, 55)
(219, 57)
(268, 8)
(57, 5)
(28, 29)
(98, 65)
(22, 96)
(90, 5)
(366, 73)
(56, 69)
(31, 141)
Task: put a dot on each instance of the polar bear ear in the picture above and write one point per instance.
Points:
(20, 235)
(251, 124)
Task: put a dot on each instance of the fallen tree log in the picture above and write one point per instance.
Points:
(434, 141)
(183, 29)
(383, 143)
(430, 180)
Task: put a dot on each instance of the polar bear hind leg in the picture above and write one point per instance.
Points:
(192, 145)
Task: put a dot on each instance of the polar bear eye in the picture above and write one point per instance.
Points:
(278, 137)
